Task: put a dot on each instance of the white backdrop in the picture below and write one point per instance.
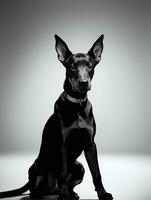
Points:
(31, 77)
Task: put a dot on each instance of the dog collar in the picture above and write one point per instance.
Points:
(75, 100)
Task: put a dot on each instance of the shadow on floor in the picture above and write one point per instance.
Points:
(52, 197)
(24, 198)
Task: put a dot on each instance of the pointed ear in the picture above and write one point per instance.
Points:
(62, 49)
(97, 49)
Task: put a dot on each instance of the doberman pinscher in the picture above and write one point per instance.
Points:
(68, 132)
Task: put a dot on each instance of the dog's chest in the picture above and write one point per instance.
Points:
(78, 123)
(81, 122)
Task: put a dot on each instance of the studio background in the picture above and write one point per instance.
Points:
(31, 76)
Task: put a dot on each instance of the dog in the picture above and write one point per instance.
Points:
(68, 132)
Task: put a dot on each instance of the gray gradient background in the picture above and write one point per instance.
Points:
(31, 77)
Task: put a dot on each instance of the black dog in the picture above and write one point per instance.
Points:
(69, 131)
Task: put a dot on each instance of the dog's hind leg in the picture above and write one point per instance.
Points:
(77, 174)
(36, 180)
(52, 184)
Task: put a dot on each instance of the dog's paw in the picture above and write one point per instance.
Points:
(36, 196)
(73, 195)
(105, 196)
(63, 197)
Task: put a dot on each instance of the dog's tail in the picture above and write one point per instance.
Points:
(16, 192)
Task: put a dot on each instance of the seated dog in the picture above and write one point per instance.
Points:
(69, 131)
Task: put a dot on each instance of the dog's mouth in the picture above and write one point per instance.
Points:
(82, 87)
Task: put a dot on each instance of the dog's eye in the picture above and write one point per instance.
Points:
(73, 68)
(90, 66)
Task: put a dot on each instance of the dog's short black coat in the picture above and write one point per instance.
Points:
(68, 132)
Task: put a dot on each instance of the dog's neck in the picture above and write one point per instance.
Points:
(75, 100)
(75, 96)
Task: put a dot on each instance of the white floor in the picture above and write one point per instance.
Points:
(127, 177)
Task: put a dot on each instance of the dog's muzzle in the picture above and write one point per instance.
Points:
(84, 86)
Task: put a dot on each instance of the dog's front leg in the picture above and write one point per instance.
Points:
(92, 160)
(63, 179)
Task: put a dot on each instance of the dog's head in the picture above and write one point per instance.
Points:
(79, 67)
